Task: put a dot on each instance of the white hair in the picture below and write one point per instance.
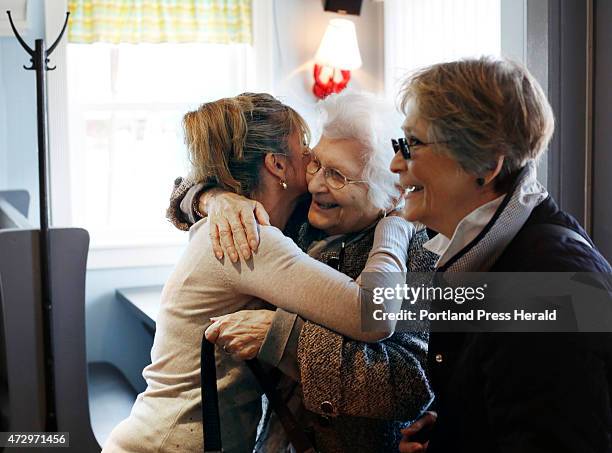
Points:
(373, 122)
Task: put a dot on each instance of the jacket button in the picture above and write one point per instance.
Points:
(327, 407)
(439, 358)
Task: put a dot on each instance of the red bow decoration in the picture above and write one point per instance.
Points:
(323, 89)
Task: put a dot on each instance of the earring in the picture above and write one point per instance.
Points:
(480, 181)
(283, 184)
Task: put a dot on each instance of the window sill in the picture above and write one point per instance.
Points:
(113, 252)
(131, 257)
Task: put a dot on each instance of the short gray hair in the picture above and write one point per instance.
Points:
(484, 108)
(373, 122)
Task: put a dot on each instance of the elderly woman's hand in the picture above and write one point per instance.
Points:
(233, 222)
(242, 333)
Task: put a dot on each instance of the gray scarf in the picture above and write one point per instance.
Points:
(480, 254)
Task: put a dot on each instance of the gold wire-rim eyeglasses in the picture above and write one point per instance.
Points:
(333, 177)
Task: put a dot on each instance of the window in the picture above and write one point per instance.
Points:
(423, 32)
(126, 103)
(116, 143)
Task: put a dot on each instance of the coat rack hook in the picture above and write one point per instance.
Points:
(32, 67)
(18, 36)
(59, 38)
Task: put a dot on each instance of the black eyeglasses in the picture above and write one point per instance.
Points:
(401, 145)
(404, 145)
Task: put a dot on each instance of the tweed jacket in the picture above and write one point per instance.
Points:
(180, 211)
(363, 393)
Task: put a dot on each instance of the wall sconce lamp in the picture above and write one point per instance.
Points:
(337, 56)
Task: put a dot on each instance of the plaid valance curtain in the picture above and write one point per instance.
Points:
(158, 21)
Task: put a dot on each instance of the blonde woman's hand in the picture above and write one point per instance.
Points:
(240, 334)
(233, 223)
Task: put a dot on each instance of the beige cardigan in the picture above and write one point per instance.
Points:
(166, 416)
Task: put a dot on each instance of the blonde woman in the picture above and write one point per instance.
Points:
(251, 145)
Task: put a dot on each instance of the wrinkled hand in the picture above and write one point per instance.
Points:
(233, 223)
(242, 333)
(425, 422)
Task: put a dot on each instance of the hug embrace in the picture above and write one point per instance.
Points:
(282, 234)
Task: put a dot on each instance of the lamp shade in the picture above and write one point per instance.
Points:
(339, 48)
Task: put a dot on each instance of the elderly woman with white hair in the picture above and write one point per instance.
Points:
(349, 395)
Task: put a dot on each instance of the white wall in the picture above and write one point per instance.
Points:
(513, 29)
(300, 27)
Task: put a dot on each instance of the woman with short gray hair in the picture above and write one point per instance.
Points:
(473, 132)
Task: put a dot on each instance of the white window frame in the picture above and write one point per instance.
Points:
(101, 256)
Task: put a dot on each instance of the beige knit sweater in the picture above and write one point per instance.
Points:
(166, 417)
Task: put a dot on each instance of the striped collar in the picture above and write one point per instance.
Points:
(512, 213)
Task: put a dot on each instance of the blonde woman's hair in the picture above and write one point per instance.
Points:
(483, 108)
(228, 139)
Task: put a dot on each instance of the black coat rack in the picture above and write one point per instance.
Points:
(39, 58)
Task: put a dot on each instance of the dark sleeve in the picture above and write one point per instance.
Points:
(279, 348)
(181, 212)
(547, 392)
(550, 392)
(384, 380)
